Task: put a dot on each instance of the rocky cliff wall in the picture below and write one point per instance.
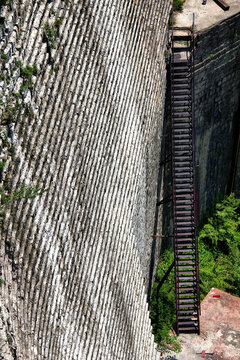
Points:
(217, 89)
(75, 260)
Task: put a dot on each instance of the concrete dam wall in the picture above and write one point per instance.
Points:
(75, 260)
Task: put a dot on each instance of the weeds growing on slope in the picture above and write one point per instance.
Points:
(219, 266)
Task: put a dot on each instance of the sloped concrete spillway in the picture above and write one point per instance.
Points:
(75, 261)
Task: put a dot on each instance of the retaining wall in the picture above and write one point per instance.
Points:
(217, 89)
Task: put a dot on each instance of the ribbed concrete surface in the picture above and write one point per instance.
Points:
(75, 261)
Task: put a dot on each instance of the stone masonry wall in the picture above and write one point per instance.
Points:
(217, 89)
(75, 260)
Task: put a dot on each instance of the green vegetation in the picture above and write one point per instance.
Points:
(14, 107)
(51, 32)
(5, 2)
(171, 20)
(219, 249)
(23, 192)
(4, 139)
(27, 192)
(162, 310)
(177, 5)
(4, 56)
(219, 265)
(9, 340)
(2, 164)
(50, 35)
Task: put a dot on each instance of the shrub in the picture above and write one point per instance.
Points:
(162, 308)
(4, 56)
(219, 248)
(50, 34)
(177, 5)
(2, 164)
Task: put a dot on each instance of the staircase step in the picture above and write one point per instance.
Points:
(180, 317)
(183, 136)
(183, 257)
(183, 240)
(187, 301)
(180, 217)
(188, 289)
(178, 61)
(183, 191)
(182, 68)
(182, 229)
(179, 141)
(183, 207)
(185, 164)
(186, 244)
(183, 147)
(180, 49)
(182, 80)
(181, 37)
(186, 204)
(187, 234)
(181, 96)
(188, 329)
(185, 267)
(180, 85)
(181, 92)
(183, 104)
(185, 251)
(182, 174)
(184, 180)
(188, 306)
(190, 163)
(181, 63)
(183, 186)
(184, 169)
(178, 157)
(222, 4)
(190, 312)
(180, 106)
(182, 126)
(181, 114)
(184, 196)
(182, 132)
(181, 75)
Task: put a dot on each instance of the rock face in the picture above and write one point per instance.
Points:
(217, 99)
(75, 260)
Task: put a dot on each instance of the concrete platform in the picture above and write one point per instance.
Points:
(220, 330)
(205, 15)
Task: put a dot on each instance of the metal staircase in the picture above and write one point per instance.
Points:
(184, 189)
